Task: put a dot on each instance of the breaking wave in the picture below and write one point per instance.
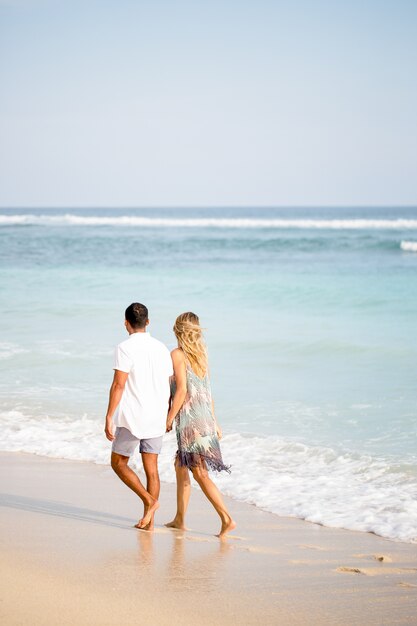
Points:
(409, 246)
(207, 222)
(319, 484)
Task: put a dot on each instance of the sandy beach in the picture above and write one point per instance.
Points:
(208, 230)
(71, 556)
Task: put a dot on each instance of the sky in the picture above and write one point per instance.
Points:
(214, 103)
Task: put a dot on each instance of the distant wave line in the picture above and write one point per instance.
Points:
(203, 222)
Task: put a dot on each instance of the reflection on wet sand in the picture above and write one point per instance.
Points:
(146, 550)
(186, 563)
(188, 572)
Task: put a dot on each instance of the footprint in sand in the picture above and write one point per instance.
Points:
(260, 550)
(203, 539)
(404, 584)
(381, 558)
(235, 537)
(350, 570)
(209, 539)
(213, 540)
(377, 571)
(306, 546)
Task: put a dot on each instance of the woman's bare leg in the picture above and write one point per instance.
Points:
(214, 496)
(183, 496)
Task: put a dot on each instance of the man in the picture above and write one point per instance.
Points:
(141, 390)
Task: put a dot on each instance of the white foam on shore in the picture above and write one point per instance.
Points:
(8, 350)
(317, 484)
(409, 246)
(202, 222)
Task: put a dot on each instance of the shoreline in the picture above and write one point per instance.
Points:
(71, 555)
(354, 499)
(137, 467)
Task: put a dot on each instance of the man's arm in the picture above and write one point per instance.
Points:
(116, 392)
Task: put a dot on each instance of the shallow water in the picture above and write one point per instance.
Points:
(311, 326)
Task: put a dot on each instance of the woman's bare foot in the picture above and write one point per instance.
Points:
(176, 525)
(227, 526)
(148, 515)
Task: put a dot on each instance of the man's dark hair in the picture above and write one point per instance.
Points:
(137, 315)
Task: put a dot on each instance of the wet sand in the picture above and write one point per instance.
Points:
(70, 555)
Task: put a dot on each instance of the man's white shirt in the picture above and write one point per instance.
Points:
(144, 405)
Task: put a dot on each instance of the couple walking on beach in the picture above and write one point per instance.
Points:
(151, 389)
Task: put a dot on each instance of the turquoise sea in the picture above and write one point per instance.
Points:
(311, 323)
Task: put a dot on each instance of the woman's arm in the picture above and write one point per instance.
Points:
(219, 432)
(180, 373)
(218, 429)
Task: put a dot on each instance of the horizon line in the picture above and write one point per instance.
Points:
(209, 207)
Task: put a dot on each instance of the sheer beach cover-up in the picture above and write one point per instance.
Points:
(197, 439)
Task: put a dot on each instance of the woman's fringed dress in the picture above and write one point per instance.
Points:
(198, 444)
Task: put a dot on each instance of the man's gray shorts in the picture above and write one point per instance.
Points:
(126, 443)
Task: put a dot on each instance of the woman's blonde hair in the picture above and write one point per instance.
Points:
(190, 338)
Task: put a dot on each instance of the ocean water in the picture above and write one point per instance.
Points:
(311, 324)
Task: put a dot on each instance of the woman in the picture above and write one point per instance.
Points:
(198, 433)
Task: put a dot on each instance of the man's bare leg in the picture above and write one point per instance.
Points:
(119, 464)
(183, 496)
(150, 466)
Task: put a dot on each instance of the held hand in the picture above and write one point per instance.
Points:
(219, 432)
(170, 421)
(108, 429)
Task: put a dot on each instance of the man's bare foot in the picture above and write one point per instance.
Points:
(227, 527)
(148, 515)
(149, 527)
(175, 525)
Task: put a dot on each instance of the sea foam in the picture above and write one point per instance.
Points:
(165, 222)
(318, 484)
(9, 350)
(409, 246)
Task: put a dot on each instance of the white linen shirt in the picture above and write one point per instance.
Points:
(144, 405)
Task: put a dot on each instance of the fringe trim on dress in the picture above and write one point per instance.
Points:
(193, 459)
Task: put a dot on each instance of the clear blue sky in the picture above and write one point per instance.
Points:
(172, 103)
